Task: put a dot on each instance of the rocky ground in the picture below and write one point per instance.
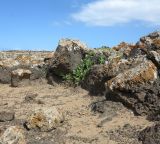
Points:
(79, 95)
(86, 119)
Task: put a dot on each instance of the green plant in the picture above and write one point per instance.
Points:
(101, 59)
(103, 48)
(78, 75)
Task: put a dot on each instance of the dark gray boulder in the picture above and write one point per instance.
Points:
(67, 56)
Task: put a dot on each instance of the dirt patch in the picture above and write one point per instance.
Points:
(88, 119)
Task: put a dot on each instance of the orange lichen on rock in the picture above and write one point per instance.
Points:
(156, 42)
(125, 48)
(141, 74)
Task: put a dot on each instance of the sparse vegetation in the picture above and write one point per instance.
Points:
(78, 75)
(104, 48)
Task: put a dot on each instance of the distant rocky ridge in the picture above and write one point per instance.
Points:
(126, 73)
(13, 60)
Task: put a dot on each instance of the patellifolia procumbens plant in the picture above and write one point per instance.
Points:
(78, 75)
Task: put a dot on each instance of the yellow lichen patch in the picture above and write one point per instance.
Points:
(143, 73)
(37, 120)
(125, 47)
(23, 58)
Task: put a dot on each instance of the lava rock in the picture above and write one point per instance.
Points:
(18, 75)
(95, 79)
(150, 135)
(67, 56)
(137, 88)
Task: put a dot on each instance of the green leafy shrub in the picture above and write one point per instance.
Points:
(101, 59)
(78, 75)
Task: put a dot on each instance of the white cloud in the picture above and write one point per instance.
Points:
(113, 12)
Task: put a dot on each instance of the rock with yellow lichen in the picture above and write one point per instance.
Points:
(137, 87)
(44, 119)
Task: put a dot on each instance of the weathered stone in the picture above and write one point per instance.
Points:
(117, 66)
(95, 79)
(5, 75)
(146, 44)
(18, 75)
(124, 48)
(44, 119)
(68, 55)
(30, 97)
(139, 75)
(138, 88)
(22, 73)
(6, 116)
(155, 57)
(99, 74)
(33, 61)
(150, 40)
(13, 135)
(9, 63)
(150, 135)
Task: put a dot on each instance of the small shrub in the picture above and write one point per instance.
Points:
(104, 48)
(101, 59)
(78, 75)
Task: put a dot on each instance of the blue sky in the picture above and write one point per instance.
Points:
(39, 24)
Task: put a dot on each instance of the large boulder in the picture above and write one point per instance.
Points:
(148, 45)
(18, 75)
(99, 74)
(6, 66)
(139, 75)
(95, 79)
(136, 87)
(151, 41)
(44, 119)
(13, 135)
(67, 56)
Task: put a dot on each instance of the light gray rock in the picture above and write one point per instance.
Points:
(13, 135)
(44, 119)
(6, 116)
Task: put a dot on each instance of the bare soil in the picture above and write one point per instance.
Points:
(88, 119)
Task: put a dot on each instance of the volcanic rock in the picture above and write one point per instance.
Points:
(18, 75)
(67, 56)
(150, 135)
(136, 87)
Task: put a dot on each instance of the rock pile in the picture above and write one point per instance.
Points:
(12, 61)
(127, 73)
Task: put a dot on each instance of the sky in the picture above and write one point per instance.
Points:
(40, 24)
